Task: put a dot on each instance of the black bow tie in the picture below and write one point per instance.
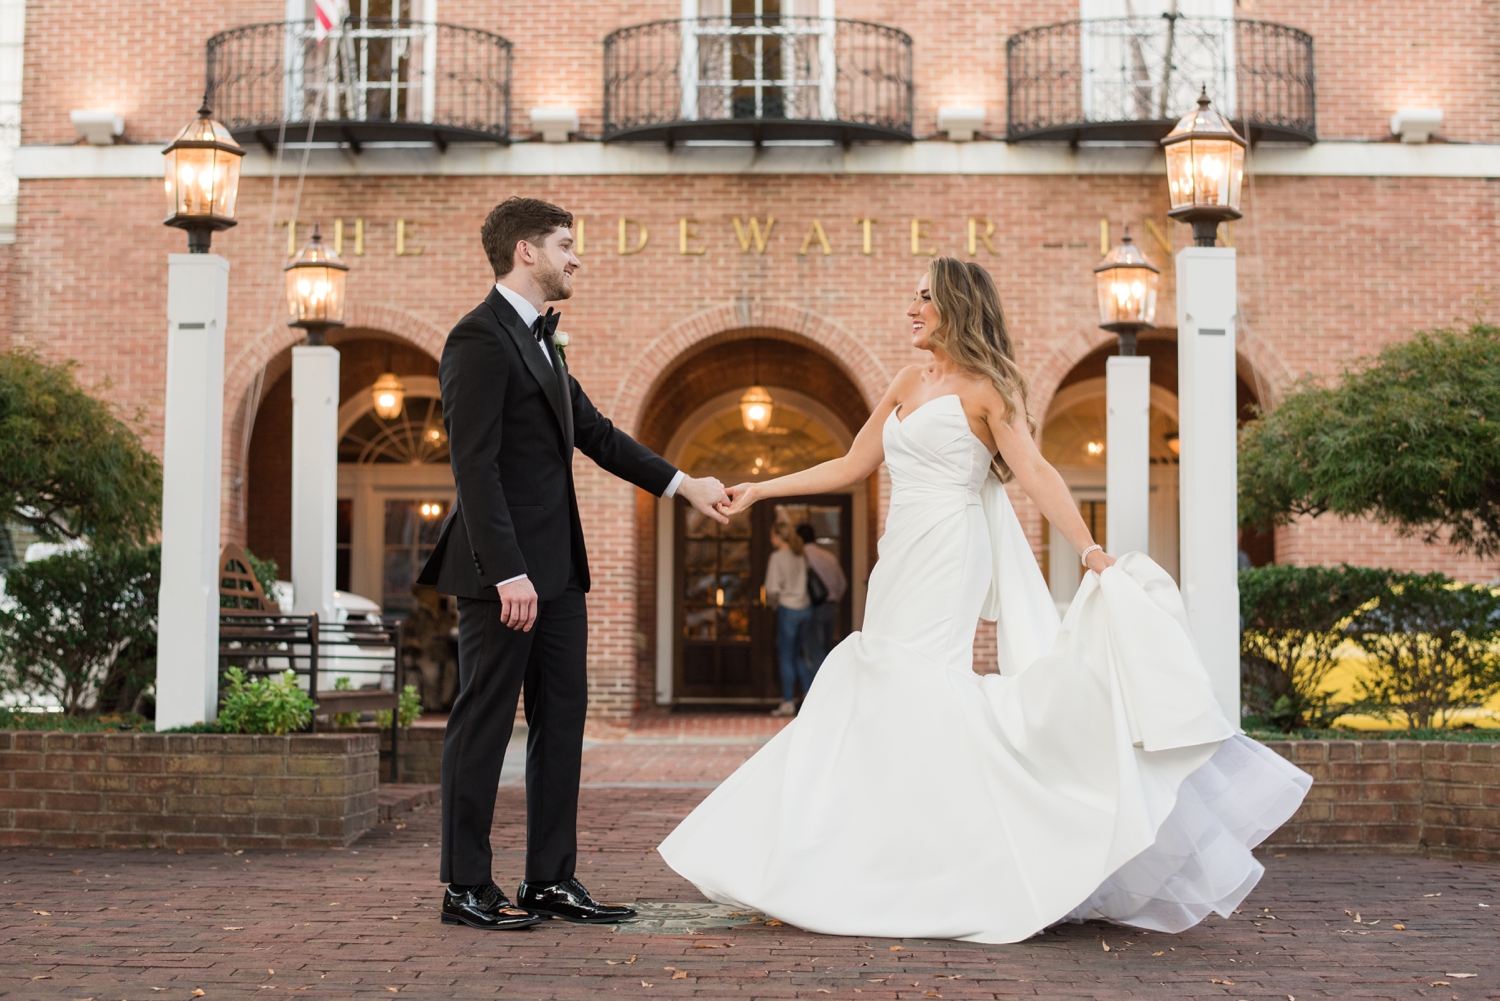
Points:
(543, 326)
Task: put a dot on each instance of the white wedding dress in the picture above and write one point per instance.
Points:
(1095, 776)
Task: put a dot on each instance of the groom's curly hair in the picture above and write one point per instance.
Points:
(514, 220)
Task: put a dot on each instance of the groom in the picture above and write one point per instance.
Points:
(512, 552)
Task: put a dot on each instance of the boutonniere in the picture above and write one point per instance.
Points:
(560, 338)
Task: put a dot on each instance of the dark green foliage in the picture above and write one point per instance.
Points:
(265, 572)
(108, 723)
(1410, 438)
(1293, 624)
(79, 620)
(1458, 735)
(70, 468)
(265, 705)
(1436, 647)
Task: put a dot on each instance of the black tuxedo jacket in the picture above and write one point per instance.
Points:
(513, 422)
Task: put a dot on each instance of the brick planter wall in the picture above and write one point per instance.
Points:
(109, 790)
(1436, 797)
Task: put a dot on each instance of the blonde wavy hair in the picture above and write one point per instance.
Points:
(971, 329)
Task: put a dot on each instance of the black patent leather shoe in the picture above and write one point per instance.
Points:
(567, 899)
(485, 907)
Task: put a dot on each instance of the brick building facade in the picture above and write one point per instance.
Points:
(1349, 242)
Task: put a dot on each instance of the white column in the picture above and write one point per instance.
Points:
(315, 478)
(1128, 454)
(1206, 309)
(187, 659)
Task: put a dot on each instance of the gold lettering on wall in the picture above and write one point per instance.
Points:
(291, 237)
(1162, 243)
(687, 230)
(1226, 234)
(1103, 237)
(754, 234)
(624, 227)
(918, 234)
(976, 237)
(578, 235)
(359, 237)
(405, 229)
(816, 233)
(865, 224)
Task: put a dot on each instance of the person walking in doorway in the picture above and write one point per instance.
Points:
(786, 588)
(825, 613)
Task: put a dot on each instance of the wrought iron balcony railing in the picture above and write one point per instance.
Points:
(1131, 78)
(757, 77)
(370, 80)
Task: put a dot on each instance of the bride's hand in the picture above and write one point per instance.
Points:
(741, 496)
(1100, 561)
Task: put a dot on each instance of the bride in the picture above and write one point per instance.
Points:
(1094, 777)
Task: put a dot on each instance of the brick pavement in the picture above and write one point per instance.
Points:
(362, 922)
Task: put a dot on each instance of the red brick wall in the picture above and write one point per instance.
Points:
(1437, 797)
(133, 790)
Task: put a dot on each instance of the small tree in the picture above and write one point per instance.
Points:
(69, 468)
(1410, 438)
(1434, 643)
(72, 618)
(1294, 622)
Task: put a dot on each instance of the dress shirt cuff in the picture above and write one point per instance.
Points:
(511, 580)
(671, 490)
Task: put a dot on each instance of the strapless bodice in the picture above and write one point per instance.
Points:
(933, 453)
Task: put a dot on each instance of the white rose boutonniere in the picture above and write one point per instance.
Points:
(560, 338)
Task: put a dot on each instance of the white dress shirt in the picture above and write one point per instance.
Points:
(528, 314)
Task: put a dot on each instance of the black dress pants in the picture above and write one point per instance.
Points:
(496, 665)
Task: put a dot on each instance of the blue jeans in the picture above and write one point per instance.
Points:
(791, 633)
(820, 631)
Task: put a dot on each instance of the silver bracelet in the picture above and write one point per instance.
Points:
(1084, 556)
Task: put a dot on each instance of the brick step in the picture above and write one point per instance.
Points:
(398, 800)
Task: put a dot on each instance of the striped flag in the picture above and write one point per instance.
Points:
(327, 15)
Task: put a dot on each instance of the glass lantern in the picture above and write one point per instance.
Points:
(388, 395)
(755, 409)
(202, 180)
(315, 289)
(1205, 166)
(1126, 282)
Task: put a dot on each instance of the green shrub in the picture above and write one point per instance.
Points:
(107, 723)
(410, 708)
(266, 705)
(1294, 620)
(344, 719)
(1434, 644)
(80, 621)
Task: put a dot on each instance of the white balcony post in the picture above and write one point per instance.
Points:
(187, 660)
(1206, 311)
(429, 60)
(828, 67)
(689, 69)
(315, 417)
(1127, 456)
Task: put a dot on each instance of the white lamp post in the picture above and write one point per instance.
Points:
(315, 301)
(202, 179)
(1205, 163)
(1126, 284)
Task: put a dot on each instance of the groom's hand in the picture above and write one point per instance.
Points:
(517, 604)
(706, 494)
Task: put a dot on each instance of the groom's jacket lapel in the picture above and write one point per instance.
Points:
(531, 356)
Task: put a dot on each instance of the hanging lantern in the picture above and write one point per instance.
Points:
(315, 289)
(202, 179)
(389, 396)
(1205, 165)
(1126, 283)
(755, 409)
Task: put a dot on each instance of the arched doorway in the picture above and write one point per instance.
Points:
(709, 634)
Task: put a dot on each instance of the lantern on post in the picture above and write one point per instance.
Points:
(1126, 283)
(1205, 165)
(388, 395)
(202, 179)
(315, 289)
